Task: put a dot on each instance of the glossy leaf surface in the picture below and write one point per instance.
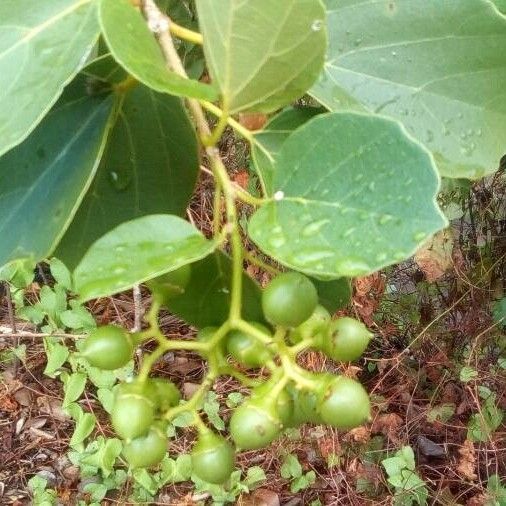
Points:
(134, 46)
(357, 195)
(42, 46)
(269, 140)
(438, 67)
(44, 179)
(335, 294)
(150, 166)
(262, 54)
(136, 251)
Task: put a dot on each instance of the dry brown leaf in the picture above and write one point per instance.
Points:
(359, 434)
(253, 121)
(477, 500)
(388, 424)
(8, 404)
(467, 462)
(328, 446)
(241, 178)
(260, 497)
(435, 257)
(367, 295)
(52, 406)
(367, 285)
(369, 472)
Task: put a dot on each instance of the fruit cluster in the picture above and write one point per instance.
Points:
(290, 397)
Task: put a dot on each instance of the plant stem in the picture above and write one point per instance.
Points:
(252, 331)
(217, 208)
(219, 171)
(213, 109)
(218, 130)
(300, 347)
(193, 403)
(184, 33)
(250, 257)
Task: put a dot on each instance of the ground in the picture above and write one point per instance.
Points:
(436, 351)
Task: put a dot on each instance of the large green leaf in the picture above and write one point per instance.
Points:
(137, 251)
(268, 142)
(150, 166)
(263, 54)
(43, 180)
(353, 194)
(335, 294)
(136, 49)
(206, 299)
(438, 67)
(42, 46)
(501, 5)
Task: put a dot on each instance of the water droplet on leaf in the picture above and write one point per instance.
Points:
(317, 25)
(314, 228)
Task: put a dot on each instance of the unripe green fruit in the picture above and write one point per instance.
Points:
(108, 347)
(284, 403)
(133, 411)
(254, 424)
(289, 299)
(316, 324)
(167, 394)
(246, 349)
(146, 450)
(346, 340)
(344, 403)
(171, 284)
(213, 458)
(306, 402)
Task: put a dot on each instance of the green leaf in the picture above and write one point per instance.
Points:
(53, 301)
(333, 295)
(206, 300)
(407, 454)
(56, 353)
(234, 399)
(134, 46)
(337, 211)
(42, 47)
(183, 469)
(501, 5)
(136, 251)
(467, 374)
(499, 311)
(146, 480)
(105, 456)
(291, 467)
(436, 66)
(441, 413)
(150, 166)
(303, 482)
(106, 398)
(254, 476)
(211, 408)
(97, 491)
(84, 428)
(268, 141)
(393, 465)
(77, 318)
(73, 387)
(262, 54)
(19, 273)
(43, 180)
(34, 314)
(60, 273)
